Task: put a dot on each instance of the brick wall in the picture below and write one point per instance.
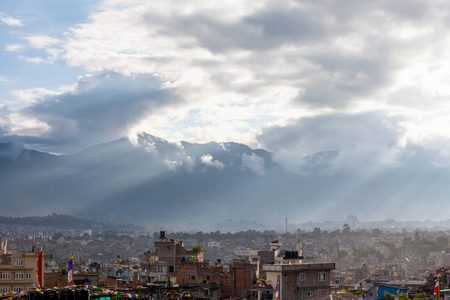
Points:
(55, 279)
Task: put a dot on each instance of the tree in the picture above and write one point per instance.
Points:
(346, 229)
(198, 248)
(317, 232)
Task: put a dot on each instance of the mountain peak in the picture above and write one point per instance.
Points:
(10, 150)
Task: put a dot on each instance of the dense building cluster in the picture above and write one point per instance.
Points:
(314, 264)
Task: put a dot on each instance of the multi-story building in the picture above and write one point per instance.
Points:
(155, 272)
(40, 236)
(169, 255)
(19, 270)
(173, 253)
(244, 277)
(300, 280)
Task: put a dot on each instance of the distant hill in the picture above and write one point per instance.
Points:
(63, 222)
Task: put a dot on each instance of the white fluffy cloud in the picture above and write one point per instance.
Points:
(254, 163)
(14, 47)
(210, 161)
(42, 41)
(13, 22)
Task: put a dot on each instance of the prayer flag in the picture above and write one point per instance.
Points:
(70, 271)
(436, 290)
(39, 268)
(277, 291)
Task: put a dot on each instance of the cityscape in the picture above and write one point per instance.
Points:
(224, 150)
(348, 262)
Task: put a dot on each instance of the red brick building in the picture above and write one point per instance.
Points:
(198, 273)
(244, 277)
(173, 253)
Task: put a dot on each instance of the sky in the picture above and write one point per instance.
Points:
(369, 79)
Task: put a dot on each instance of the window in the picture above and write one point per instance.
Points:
(309, 294)
(27, 275)
(18, 261)
(300, 294)
(6, 259)
(18, 275)
(5, 289)
(18, 288)
(5, 275)
(322, 276)
(208, 277)
(302, 277)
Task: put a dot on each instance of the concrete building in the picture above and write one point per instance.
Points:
(300, 280)
(18, 270)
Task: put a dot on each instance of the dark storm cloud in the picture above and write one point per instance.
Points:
(102, 109)
(266, 29)
(334, 132)
(345, 77)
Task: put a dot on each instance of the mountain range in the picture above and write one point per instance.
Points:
(152, 182)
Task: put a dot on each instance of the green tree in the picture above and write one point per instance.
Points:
(198, 248)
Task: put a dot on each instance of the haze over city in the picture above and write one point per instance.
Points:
(243, 109)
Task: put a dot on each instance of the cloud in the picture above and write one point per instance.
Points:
(363, 139)
(10, 21)
(4, 119)
(243, 66)
(42, 41)
(36, 60)
(208, 160)
(254, 163)
(34, 95)
(101, 109)
(332, 55)
(14, 47)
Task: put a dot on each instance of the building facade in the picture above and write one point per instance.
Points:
(19, 271)
(300, 280)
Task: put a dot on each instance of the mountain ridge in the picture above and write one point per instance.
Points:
(153, 182)
(153, 176)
